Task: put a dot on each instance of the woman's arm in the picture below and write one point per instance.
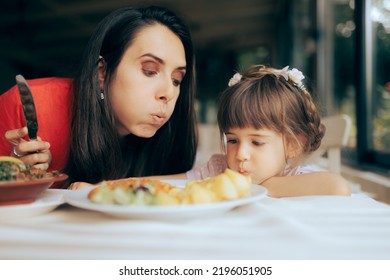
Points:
(316, 183)
(80, 185)
(181, 176)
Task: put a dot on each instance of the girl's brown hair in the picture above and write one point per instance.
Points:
(264, 99)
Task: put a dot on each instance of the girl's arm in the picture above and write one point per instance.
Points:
(315, 183)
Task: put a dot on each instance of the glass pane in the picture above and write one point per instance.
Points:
(259, 55)
(380, 98)
(344, 62)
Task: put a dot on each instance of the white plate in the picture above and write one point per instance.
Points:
(79, 199)
(48, 201)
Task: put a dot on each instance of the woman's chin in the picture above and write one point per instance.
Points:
(140, 131)
(145, 133)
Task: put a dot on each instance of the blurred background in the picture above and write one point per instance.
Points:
(341, 46)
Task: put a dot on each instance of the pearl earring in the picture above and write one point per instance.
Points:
(101, 95)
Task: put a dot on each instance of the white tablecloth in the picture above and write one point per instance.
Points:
(318, 227)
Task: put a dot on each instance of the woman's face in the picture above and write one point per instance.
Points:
(146, 83)
(260, 153)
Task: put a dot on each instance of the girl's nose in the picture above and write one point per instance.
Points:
(243, 153)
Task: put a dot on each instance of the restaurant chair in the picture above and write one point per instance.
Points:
(209, 142)
(336, 136)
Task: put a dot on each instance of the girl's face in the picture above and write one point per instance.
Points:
(259, 153)
(146, 83)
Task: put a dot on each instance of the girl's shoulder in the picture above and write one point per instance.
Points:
(300, 169)
(214, 166)
(218, 159)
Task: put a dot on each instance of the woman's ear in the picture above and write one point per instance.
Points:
(101, 72)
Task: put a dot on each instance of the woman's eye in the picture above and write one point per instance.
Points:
(177, 78)
(149, 68)
(176, 82)
(149, 72)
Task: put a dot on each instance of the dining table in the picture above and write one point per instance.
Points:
(355, 227)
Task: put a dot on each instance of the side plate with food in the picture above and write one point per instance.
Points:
(22, 184)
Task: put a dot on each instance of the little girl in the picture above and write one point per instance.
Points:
(270, 124)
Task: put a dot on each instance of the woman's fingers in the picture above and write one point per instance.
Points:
(29, 147)
(79, 185)
(15, 136)
(35, 152)
(42, 166)
(41, 159)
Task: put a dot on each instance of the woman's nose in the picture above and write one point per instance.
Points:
(166, 92)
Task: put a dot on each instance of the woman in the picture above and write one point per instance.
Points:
(128, 112)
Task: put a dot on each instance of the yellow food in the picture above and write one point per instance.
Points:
(228, 185)
(10, 159)
(13, 169)
(132, 191)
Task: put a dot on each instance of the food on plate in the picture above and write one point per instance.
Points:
(225, 186)
(130, 191)
(134, 191)
(14, 169)
(10, 159)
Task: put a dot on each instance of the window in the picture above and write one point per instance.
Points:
(353, 73)
(378, 92)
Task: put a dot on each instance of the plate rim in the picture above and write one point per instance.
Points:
(49, 198)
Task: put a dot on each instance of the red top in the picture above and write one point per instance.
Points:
(52, 98)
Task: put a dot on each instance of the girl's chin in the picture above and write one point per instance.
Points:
(256, 181)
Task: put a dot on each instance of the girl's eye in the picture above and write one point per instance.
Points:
(231, 141)
(257, 143)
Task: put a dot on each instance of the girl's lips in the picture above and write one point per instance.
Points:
(243, 172)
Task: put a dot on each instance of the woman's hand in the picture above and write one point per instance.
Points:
(79, 185)
(35, 152)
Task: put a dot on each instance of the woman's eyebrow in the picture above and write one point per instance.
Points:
(161, 61)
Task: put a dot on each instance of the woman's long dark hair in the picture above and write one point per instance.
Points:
(97, 152)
